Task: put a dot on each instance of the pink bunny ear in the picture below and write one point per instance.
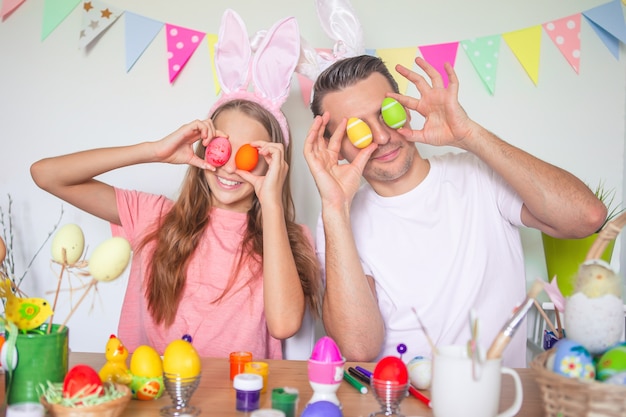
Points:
(275, 60)
(232, 53)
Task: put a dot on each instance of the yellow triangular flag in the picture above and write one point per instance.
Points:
(403, 56)
(212, 40)
(526, 45)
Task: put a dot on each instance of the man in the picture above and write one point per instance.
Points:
(433, 237)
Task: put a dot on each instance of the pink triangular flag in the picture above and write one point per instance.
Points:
(552, 289)
(8, 6)
(438, 55)
(306, 86)
(526, 46)
(181, 44)
(97, 17)
(565, 33)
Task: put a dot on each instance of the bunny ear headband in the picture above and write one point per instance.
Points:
(271, 68)
(339, 21)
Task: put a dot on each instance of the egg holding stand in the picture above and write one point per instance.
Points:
(325, 369)
(390, 384)
(180, 391)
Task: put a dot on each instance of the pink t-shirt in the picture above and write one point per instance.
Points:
(237, 322)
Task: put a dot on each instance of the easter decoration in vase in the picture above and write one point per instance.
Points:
(35, 352)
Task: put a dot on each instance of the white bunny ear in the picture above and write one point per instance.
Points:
(339, 21)
(232, 53)
(275, 60)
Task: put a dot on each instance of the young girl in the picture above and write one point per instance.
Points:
(225, 263)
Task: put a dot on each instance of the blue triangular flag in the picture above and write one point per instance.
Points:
(140, 32)
(610, 41)
(609, 17)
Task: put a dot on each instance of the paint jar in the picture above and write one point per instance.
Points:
(238, 362)
(267, 412)
(25, 410)
(259, 368)
(248, 387)
(286, 400)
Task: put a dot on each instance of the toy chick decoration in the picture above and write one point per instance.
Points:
(594, 313)
(115, 369)
(26, 313)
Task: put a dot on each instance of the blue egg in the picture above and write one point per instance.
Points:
(322, 409)
(572, 360)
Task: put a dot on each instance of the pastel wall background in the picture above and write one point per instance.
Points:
(58, 98)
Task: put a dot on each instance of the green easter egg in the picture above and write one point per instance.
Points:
(612, 362)
(393, 113)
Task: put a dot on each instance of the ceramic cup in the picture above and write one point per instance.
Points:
(459, 389)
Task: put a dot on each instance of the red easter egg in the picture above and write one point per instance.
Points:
(391, 368)
(81, 377)
(218, 151)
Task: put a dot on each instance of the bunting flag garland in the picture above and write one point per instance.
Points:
(140, 32)
(8, 6)
(54, 12)
(526, 45)
(438, 55)
(565, 33)
(97, 17)
(212, 40)
(607, 21)
(484, 53)
(181, 44)
(395, 56)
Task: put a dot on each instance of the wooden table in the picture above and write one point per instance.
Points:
(216, 397)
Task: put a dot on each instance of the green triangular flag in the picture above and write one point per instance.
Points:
(54, 12)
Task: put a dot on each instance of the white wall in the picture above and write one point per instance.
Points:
(55, 98)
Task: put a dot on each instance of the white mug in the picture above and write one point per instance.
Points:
(460, 388)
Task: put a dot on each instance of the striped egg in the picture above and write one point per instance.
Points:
(358, 132)
(393, 113)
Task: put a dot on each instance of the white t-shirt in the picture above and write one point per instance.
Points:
(445, 247)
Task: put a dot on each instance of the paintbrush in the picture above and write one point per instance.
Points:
(433, 347)
(504, 337)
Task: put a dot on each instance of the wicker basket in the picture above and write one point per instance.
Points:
(571, 397)
(109, 409)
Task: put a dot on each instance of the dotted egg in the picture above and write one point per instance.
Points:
(359, 132)
(393, 113)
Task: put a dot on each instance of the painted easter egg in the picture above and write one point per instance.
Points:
(69, 239)
(572, 360)
(612, 362)
(326, 350)
(358, 132)
(180, 358)
(218, 151)
(420, 372)
(146, 362)
(616, 379)
(393, 113)
(391, 368)
(146, 388)
(109, 259)
(81, 381)
(322, 409)
(247, 157)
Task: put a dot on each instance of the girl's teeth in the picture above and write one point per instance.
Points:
(227, 182)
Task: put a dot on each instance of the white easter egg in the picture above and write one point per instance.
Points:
(69, 239)
(595, 323)
(110, 259)
(420, 372)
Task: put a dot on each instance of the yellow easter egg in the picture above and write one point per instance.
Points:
(358, 132)
(69, 239)
(146, 362)
(109, 259)
(3, 250)
(180, 358)
(393, 113)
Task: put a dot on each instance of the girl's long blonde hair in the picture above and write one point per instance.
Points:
(180, 230)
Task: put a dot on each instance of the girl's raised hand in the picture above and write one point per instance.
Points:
(268, 187)
(178, 146)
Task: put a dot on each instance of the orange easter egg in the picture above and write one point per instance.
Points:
(247, 157)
